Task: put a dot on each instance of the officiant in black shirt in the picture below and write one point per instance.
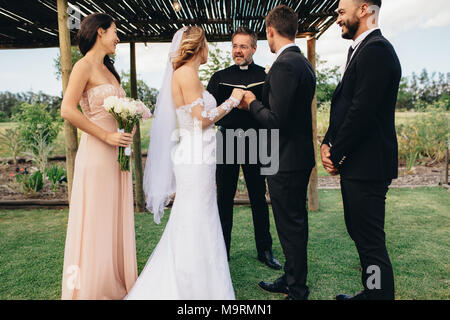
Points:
(245, 74)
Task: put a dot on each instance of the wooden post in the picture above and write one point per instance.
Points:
(70, 131)
(137, 152)
(313, 194)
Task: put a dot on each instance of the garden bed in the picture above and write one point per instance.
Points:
(10, 190)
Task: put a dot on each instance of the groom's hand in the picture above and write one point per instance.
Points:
(248, 98)
(327, 163)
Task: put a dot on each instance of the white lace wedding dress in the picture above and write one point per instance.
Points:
(190, 260)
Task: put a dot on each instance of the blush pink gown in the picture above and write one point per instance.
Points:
(100, 251)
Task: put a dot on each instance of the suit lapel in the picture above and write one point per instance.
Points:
(358, 51)
(362, 45)
(266, 84)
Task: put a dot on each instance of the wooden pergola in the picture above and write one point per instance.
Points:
(45, 23)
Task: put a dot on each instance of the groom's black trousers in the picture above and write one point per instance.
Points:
(364, 212)
(227, 176)
(288, 196)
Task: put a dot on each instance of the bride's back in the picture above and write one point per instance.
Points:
(185, 85)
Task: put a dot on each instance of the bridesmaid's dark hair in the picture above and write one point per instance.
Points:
(87, 35)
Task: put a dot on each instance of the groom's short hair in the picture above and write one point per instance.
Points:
(244, 30)
(283, 19)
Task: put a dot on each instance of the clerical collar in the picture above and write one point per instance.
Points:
(245, 68)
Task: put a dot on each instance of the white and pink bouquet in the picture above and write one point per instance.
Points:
(127, 112)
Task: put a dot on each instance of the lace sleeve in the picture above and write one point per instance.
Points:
(212, 114)
(227, 106)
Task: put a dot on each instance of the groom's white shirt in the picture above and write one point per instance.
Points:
(284, 48)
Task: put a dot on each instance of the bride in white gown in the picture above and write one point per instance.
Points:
(190, 260)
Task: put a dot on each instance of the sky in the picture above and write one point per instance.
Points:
(419, 31)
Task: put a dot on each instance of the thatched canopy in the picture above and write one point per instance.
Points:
(33, 23)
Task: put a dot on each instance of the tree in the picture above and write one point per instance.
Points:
(327, 81)
(217, 60)
(420, 91)
(146, 94)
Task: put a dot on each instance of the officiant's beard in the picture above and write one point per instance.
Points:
(245, 61)
(352, 27)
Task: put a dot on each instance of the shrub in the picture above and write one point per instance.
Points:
(34, 118)
(56, 175)
(11, 141)
(39, 150)
(31, 183)
(425, 136)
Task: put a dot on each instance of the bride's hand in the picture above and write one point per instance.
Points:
(238, 94)
(119, 139)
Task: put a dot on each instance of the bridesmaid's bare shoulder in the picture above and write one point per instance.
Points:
(82, 68)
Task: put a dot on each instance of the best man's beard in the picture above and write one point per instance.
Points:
(352, 28)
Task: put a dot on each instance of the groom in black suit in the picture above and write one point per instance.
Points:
(286, 106)
(361, 143)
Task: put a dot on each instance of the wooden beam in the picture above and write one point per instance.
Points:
(137, 149)
(313, 193)
(66, 67)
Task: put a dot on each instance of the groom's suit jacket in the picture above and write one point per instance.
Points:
(362, 119)
(286, 105)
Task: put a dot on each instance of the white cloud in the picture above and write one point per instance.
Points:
(441, 20)
(396, 18)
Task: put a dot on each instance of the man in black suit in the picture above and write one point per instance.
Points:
(244, 72)
(286, 106)
(361, 143)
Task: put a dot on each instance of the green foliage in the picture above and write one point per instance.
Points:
(11, 141)
(55, 174)
(10, 103)
(217, 60)
(418, 92)
(426, 136)
(327, 81)
(3, 116)
(40, 150)
(146, 94)
(35, 119)
(31, 183)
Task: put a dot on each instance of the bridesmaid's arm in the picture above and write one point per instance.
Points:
(69, 109)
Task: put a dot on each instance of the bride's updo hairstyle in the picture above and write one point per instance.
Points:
(192, 44)
(87, 36)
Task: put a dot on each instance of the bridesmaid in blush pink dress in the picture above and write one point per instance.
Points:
(100, 251)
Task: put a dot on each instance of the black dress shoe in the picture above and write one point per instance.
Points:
(359, 296)
(267, 258)
(290, 297)
(278, 286)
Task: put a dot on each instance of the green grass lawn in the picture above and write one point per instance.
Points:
(418, 239)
